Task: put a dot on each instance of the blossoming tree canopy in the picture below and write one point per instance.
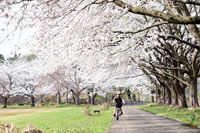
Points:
(110, 43)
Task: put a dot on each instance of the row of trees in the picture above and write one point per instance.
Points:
(120, 43)
(24, 77)
(173, 67)
(173, 61)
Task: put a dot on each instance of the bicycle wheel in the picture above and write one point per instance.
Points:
(117, 116)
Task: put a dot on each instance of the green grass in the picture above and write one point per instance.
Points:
(37, 106)
(59, 119)
(189, 116)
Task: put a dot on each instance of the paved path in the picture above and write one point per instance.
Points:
(135, 120)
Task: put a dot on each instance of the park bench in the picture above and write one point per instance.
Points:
(96, 111)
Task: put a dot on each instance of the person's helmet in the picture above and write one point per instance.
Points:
(118, 93)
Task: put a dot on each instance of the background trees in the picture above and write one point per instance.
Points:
(114, 43)
(7, 83)
(30, 82)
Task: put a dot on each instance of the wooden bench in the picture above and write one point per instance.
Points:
(96, 111)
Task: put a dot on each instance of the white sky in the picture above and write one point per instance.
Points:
(11, 45)
(6, 45)
(6, 49)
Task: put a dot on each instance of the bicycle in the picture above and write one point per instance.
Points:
(118, 113)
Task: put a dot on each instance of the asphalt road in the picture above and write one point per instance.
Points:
(135, 120)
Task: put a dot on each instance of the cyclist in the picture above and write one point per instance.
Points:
(129, 94)
(118, 100)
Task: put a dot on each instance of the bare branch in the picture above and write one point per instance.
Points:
(188, 2)
(183, 41)
(173, 68)
(157, 14)
(179, 79)
(135, 76)
(141, 30)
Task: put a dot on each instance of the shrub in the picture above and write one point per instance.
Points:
(52, 103)
(21, 104)
(43, 104)
(105, 106)
(87, 110)
(62, 103)
(8, 128)
(31, 129)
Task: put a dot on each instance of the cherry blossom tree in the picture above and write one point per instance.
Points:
(60, 83)
(168, 64)
(7, 82)
(99, 37)
(30, 79)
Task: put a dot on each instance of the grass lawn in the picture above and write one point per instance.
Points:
(189, 116)
(58, 119)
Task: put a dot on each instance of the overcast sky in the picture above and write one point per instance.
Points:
(10, 45)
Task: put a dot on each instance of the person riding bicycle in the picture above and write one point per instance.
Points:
(129, 94)
(118, 100)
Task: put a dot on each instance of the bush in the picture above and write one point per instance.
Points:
(43, 104)
(87, 110)
(52, 103)
(62, 103)
(8, 128)
(21, 104)
(31, 129)
(106, 106)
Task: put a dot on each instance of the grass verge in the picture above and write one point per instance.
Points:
(189, 116)
(62, 119)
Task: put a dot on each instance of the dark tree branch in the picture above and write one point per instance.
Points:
(188, 2)
(179, 39)
(157, 14)
(141, 30)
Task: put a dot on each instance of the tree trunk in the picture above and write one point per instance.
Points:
(180, 94)
(20, 100)
(41, 98)
(74, 99)
(174, 97)
(134, 97)
(181, 98)
(168, 97)
(193, 94)
(58, 98)
(164, 95)
(158, 96)
(5, 102)
(32, 101)
(89, 99)
(106, 98)
(152, 99)
(67, 97)
(93, 98)
(77, 100)
(138, 97)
